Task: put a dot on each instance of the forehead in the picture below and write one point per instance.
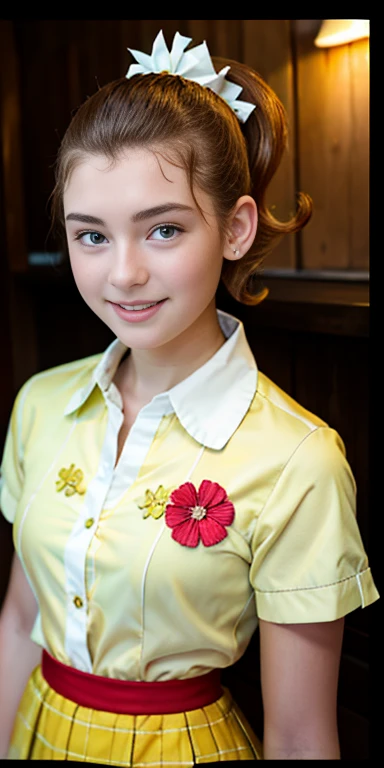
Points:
(133, 176)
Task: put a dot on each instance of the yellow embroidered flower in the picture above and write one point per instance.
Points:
(154, 503)
(72, 480)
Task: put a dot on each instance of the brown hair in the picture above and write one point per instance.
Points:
(194, 127)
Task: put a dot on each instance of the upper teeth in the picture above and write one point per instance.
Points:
(137, 306)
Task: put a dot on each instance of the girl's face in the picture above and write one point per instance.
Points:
(137, 239)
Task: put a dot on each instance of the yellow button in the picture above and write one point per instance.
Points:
(89, 523)
(78, 602)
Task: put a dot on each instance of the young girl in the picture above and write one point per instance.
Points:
(166, 497)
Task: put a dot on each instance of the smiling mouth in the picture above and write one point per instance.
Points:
(136, 306)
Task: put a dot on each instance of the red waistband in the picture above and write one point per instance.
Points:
(131, 697)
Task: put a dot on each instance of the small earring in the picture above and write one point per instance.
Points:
(236, 252)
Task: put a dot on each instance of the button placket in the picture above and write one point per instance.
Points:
(79, 542)
(136, 447)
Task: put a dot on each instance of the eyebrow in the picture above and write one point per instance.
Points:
(85, 219)
(148, 213)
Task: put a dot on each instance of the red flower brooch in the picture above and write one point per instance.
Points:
(202, 514)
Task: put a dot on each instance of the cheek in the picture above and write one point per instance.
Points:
(84, 272)
(87, 283)
(74, 262)
(202, 270)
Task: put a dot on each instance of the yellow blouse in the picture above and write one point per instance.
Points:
(124, 588)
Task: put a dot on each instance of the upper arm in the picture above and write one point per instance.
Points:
(20, 605)
(299, 675)
(308, 559)
(11, 470)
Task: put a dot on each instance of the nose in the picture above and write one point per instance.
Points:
(128, 268)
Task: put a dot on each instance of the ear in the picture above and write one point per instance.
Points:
(241, 228)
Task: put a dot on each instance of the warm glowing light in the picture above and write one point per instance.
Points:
(341, 31)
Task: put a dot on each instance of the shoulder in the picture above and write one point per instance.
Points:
(294, 437)
(277, 421)
(285, 408)
(60, 381)
(48, 392)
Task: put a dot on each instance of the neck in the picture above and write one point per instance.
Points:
(146, 373)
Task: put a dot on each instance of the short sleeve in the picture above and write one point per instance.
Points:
(309, 562)
(11, 471)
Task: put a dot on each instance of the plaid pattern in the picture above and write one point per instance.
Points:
(50, 727)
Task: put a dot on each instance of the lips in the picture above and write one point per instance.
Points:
(137, 311)
(135, 304)
(137, 307)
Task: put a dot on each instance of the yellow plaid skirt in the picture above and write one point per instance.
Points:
(51, 727)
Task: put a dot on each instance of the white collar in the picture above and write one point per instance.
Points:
(210, 403)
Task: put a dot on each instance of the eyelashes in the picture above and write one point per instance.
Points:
(162, 232)
(90, 233)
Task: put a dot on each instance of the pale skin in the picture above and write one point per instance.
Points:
(19, 655)
(154, 245)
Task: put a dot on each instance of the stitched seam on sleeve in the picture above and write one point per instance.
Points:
(308, 422)
(301, 589)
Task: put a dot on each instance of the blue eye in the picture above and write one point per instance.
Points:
(95, 238)
(165, 232)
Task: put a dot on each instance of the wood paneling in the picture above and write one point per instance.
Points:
(14, 237)
(267, 48)
(332, 108)
(24, 338)
(359, 174)
(325, 93)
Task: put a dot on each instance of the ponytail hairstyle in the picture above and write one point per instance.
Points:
(193, 128)
(266, 135)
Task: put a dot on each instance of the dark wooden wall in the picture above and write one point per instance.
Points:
(310, 335)
(50, 66)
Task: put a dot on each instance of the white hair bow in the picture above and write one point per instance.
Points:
(195, 64)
